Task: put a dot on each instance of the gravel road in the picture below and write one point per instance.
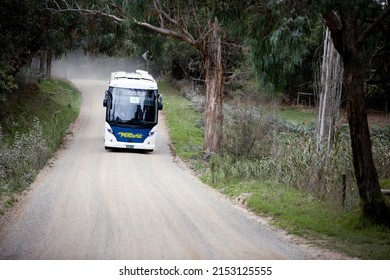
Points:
(90, 203)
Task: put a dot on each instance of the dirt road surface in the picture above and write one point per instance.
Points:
(96, 204)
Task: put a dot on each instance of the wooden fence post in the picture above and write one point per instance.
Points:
(344, 185)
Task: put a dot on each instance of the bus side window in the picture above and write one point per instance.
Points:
(106, 98)
(159, 102)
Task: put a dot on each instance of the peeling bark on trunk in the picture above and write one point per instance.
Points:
(329, 92)
(213, 114)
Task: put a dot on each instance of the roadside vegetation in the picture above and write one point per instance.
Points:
(34, 122)
(269, 164)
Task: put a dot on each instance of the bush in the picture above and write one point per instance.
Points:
(7, 80)
(247, 133)
(21, 160)
(381, 153)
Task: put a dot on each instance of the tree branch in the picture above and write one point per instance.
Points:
(370, 29)
(183, 34)
(69, 8)
(159, 9)
(165, 31)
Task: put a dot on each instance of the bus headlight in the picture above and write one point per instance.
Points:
(151, 133)
(110, 130)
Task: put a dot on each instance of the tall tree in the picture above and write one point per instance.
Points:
(351, 27)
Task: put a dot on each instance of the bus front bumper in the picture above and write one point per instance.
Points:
(111, 142)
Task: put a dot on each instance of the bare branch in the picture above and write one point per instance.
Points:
(206, 32)
(183, 33)
(69, 8)
(165, 31)
(175, 23)
(158, 7)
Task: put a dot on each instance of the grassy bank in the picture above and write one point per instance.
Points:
(321, 220)
(34, 122)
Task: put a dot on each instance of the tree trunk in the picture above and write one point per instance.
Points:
(49, 56)
(345, 39)
(42, 62)
(374, 205)
(329, 92)
(214, 70)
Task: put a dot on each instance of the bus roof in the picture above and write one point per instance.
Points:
(139, 79)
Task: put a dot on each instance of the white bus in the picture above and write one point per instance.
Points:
(132, 103)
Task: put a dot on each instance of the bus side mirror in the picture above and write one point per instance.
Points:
(105, 100)
(159, 102)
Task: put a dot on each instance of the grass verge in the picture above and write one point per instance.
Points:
(184, 123)
(322, 222)
(34, 123)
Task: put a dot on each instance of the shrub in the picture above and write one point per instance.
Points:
(21, 160)
(247, 132)
(7, 80)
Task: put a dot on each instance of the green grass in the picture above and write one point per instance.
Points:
(183, 123)
(385, 183)
(64, 103)
(322, 222)
(314, 219)
(296, 115)
(55, 103)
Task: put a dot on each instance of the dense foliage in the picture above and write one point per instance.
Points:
(29, 28)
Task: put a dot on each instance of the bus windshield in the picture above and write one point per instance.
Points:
(134, 106)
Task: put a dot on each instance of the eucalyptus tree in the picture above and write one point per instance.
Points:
(357, 28)
(352, 25)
